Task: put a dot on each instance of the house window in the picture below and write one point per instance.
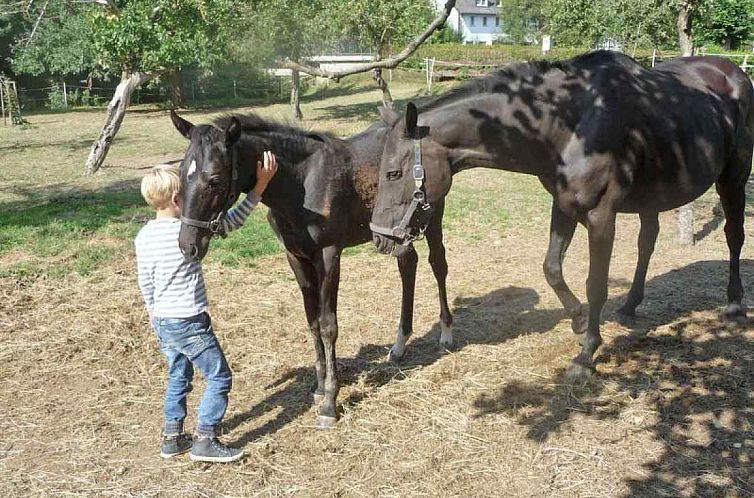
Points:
(497, 22)
(482, 3)
(484, 20)
(473, 20)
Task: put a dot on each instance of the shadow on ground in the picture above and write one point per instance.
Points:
(702, 370)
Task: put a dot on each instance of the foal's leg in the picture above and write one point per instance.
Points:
(306, 276)
(733, 198)
(407, 266)
(601, 223)
(562, 227)
(328, 271)
(440, 269)
(650, 227)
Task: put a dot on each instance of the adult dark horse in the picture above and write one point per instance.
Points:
(604, 135)
(319, 201)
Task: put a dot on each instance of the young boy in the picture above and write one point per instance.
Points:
(176, 299)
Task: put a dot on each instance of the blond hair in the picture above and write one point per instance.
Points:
(159, 185)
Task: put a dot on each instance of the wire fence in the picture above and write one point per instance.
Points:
(194, 92)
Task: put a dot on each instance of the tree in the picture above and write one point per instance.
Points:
(60, 45)
(144, 40)
(383, 25)
(522, 20)
(291, 29)
(725, 22)
(587, 23)
(388, 63)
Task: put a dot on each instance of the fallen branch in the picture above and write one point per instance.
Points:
(381, 64)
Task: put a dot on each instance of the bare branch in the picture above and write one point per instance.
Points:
(36, 24)
(379, 64)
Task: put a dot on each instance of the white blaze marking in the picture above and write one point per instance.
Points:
(446, 337)
(192, 169)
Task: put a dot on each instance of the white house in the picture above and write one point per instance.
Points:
(477, 20)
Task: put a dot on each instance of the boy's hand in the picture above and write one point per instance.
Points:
(265, 172)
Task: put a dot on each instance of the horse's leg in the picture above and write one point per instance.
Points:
(650, 227)
(328, 270)
(562, 227)
(407, 267)
(306, 276)
(440, 268)
(601, 224)
(731, 189)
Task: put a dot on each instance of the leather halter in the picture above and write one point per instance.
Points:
(215, 224)
(404, 232)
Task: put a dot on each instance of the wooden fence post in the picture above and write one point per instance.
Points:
(2, 102)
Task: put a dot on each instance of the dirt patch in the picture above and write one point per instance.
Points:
(669, 413)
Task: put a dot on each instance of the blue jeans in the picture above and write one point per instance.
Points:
(188, 343)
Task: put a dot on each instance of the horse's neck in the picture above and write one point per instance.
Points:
(498, 132)
(290, 176)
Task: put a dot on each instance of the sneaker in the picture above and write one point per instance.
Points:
(175, 444)
(210, 449)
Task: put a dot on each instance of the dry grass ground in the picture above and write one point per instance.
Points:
(670, 413)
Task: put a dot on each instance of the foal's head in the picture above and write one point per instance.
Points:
(414, 176)
(208, 188)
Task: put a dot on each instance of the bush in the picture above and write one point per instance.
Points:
(55, 98)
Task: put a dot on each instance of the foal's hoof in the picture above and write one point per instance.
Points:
(325, 422)
(580, 322)
(734, 312)
(446, 337)
(579, 374)
(395, 354)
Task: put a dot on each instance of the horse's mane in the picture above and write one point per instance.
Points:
(499, 80)
(253, 123)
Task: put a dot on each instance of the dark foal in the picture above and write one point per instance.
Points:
(320, 202)
(604, 135)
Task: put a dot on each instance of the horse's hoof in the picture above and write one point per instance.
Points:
(734, 312)
(325, 422)
(395, 354)
(579, 374)
(318, 398)
(580, 322)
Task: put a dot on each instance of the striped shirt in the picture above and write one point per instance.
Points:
(173, 287)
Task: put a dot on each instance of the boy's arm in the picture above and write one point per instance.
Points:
(236, 217)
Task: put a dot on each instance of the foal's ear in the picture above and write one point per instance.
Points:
(412, 118)
(181, 124)
(389, 116)
(233, 133)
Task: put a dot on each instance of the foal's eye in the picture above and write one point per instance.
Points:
(394, 175)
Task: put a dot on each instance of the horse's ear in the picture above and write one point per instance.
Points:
(412, 118)
(233, 133)
(389, 116)
(181, 124)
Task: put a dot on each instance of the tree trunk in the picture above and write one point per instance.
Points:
(685, 40)
(116, 111)
(296, 94)
(177, 96)
(387, 99)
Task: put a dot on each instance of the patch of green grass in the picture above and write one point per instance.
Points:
(242, 246)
